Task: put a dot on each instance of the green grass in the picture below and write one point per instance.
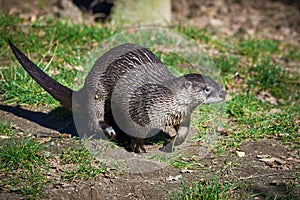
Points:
(208, 190)
(251, 119)
(269, 76)
(215, 189)
(6, 129)
(84, 171)
(25, 167)
(84, 165)
(176, 160)
(292, 52)
(16, 155)
(248, 66)
(256, 48)
(31, 183)
(48, 45)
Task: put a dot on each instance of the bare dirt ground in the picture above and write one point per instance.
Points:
(272, 19)
(268, 165)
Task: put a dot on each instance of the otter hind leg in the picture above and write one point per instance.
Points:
(108, 130)
(99, 111)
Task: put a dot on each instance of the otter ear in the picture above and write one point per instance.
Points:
(187, 84)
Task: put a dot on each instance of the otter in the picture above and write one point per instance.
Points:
(132, 84)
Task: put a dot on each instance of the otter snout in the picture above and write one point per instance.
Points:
(222, 94)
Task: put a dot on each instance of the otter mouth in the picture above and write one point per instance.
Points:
(215, 100)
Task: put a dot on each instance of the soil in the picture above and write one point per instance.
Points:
(263, 177)
(268, 165)
(276, 19)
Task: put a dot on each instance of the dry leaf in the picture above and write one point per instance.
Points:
(174, 178)
(240, 154)
(186, 171)
(273, 161)
(263, 156)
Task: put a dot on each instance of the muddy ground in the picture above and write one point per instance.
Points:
(268, 165)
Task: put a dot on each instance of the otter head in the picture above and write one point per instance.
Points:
(202, 89)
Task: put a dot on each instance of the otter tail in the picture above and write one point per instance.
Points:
(58, 91)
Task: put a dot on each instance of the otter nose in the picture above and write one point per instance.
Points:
(222, 94)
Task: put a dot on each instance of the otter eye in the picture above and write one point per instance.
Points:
(207, 91)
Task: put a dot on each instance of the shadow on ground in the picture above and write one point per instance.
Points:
(50, 120)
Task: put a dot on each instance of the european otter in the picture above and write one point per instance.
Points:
(133, 84)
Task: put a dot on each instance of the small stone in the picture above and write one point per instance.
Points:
(186, 171)
(216, 24)
(275, 111)
(174, 178)
(275, 182)
(262, 156)
(240, 154)
(221, 130)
